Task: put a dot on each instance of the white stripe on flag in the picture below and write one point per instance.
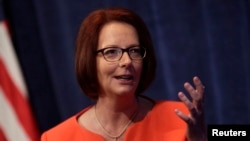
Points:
(16, 120)
(7, 54)
(8, 121)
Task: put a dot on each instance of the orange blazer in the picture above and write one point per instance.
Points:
(161, 124)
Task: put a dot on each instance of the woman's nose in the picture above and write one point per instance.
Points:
(125, 60)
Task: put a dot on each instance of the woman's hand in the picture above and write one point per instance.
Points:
(196, 119)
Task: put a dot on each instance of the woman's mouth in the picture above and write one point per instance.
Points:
(125, 77)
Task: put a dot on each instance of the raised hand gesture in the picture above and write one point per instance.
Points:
(196, 126)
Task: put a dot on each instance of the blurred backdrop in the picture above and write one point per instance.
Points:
(207, 38)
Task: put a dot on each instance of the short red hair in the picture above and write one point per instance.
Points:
(87, 42)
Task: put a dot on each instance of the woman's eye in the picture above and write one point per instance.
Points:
(135, 50)
(110, 52)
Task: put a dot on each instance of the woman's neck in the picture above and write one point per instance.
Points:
(118, 105)
(115, 116)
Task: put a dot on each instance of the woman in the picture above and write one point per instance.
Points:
(115, 64)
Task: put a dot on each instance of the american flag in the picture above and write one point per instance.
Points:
(17, 122)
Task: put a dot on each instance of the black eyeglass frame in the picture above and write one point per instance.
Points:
(123, 50)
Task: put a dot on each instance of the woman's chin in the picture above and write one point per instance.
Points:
(125, 91)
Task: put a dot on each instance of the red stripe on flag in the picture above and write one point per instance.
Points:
(2, 136)
(6, 25)
(19, 103)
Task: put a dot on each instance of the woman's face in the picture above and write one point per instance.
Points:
(120, 77)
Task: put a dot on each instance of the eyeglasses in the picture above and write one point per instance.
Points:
(112, 54)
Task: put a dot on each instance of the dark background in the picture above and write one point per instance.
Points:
(207, 38)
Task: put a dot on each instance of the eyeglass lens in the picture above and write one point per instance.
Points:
(115, 53)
